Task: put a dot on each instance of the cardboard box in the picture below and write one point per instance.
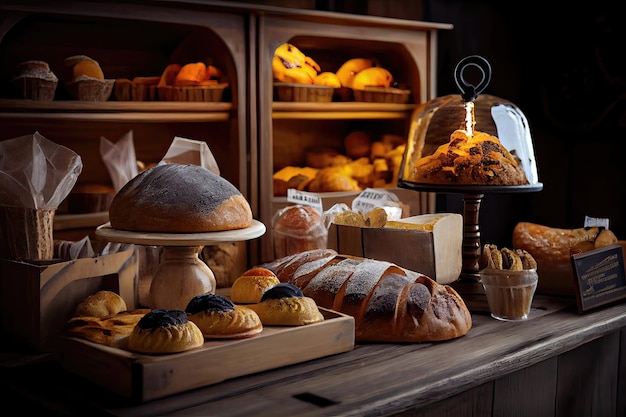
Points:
(436, 253)
(37, 298)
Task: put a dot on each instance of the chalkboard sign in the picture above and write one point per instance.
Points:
(600, 277)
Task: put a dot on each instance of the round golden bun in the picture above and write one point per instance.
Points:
(165, 331)
(176, 198)
(250, 286)
(284, 305)
(219, 318)
(101, 304)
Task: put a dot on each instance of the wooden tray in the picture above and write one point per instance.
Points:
(148, 377)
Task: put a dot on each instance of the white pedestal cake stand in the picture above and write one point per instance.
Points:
(181, 275)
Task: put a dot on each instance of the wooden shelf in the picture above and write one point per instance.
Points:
(122, 111)
(340, 111)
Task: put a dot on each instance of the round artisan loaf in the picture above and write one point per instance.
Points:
(176, 198)
(165, 331)
(284, 305)
(249, 287)
(219, 318)
(100, 304)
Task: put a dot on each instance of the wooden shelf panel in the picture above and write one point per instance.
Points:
(14, 105)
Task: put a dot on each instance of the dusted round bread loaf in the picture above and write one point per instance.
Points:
(219, 318)
(175, 198)
(165, 331)
(284, 305)
(250, 286)
(101, 304)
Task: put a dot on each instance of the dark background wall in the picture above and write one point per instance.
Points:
(562, 67)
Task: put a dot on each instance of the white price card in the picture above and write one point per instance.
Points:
(305, 198)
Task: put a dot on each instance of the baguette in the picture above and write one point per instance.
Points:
(388, 303)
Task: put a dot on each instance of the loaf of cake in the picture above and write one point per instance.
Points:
(478, 159)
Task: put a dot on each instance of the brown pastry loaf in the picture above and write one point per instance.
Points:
(388, 303)
(175, 198)
(101, 304)
(479, 159)
(553, 247)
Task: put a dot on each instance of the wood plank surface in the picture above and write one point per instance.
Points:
(390, 379)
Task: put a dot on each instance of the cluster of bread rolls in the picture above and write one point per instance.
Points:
(364, 162)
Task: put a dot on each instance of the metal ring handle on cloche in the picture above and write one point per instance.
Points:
(469, 92)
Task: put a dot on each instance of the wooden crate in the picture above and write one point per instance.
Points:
(142, 377)
(436, 253)
(37, 298)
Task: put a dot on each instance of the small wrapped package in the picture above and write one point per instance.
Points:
(36, 175)
(298, 228)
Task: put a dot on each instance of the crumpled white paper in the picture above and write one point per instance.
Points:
(188, 151)
(36, 172)
(120, 159)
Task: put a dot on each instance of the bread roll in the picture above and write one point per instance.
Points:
(101, 304)
(388, 303)
(175, 198)
(165, 331)
(285, 305)
(250, 286)
(219, 318)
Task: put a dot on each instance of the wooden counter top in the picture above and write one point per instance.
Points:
(373, 379)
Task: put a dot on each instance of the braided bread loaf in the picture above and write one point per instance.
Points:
(388, 303)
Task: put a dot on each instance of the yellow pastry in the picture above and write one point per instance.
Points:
(165, 331)
(250, 286)
(284, 305)
(218, 317)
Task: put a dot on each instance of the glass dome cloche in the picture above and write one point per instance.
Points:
(469, 141)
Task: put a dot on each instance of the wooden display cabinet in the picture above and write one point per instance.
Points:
(251, 134)
(128, 39)
(407, 49)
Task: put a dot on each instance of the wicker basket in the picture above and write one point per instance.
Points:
(209, 93)
(382, 95)
(304, 92)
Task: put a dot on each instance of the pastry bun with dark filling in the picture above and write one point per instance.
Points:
(165, 331)
(284, 305)
(219, 318)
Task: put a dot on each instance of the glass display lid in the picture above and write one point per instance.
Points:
(469, 141)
